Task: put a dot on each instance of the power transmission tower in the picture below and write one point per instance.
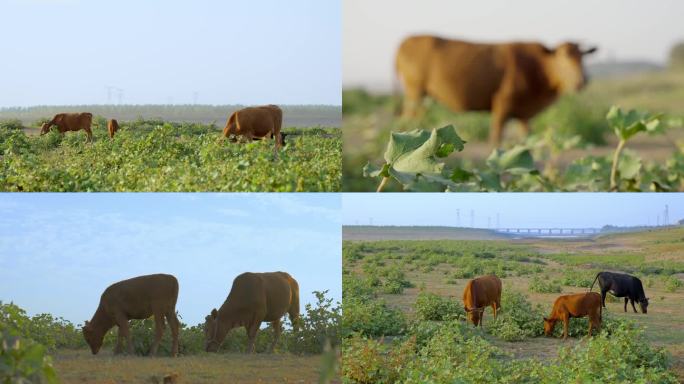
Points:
(666, 216)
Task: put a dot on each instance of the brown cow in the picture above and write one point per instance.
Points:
(480, 293)
(255, 122)
(254, 298)
(512, 80)
(112, 127)
(576, 305)
(136, 298)
(70, 122)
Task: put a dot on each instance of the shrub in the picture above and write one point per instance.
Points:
(371, 361)
(11, 124)
(578, 278)
(544, 285)
(371, 318)
(23, 360)
(672, 283)
(430, 306)
(517, 319)
(43, 328)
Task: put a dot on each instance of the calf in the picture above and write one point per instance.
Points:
(622, 285)
(575, 305)
(480, 293)
(112, 127)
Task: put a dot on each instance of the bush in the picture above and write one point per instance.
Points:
(44, 329)
(672, 283)
(371, 361)
(430, 306)
(23, 360)
(518, 319)
(544, 285)
(371, 318)
(578, 278)
(11, 124)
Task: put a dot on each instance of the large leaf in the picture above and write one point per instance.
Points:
(517, 160)
(626, 125)
(412, 158)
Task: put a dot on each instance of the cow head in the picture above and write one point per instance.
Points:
(643, 304)
(474, 315)
(567, 71)
(229, 132)
(45, 128)
(549, 325)
(211, 344)
(93, 337)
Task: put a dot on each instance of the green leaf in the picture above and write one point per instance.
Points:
(412, 158)
(516, 160)
(629, 166)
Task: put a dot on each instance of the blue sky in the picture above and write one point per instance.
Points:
(58, 252)
(514, 209)
(163, 51)
(622, 29)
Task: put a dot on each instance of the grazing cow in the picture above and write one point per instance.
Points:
(112, 127)
(70, 122)
(254, 298)
(513, 80)
(622, 285)
(255, 122)
(575, 305)
(479, 293)
(136, 298)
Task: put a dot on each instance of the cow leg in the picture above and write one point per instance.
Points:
(125, 332)
(251, 336)
(277, 330)
(494, 305)
(631, 301)
(174, 324)
(158, 333)
(603, 297)
(119, 342)
(626, 299)
(89, 134)
(566, 323)
(499, 116)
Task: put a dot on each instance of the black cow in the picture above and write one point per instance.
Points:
(622, 285)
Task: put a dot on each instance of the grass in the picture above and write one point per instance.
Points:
(80, 366)
(663, 324)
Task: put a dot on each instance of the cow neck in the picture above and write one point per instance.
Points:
(102, 320)
(473, 299)
(230, 315)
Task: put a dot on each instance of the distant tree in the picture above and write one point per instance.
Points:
(681, 222)
(677, 56)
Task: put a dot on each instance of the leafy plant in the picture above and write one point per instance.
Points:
(625, 126)
(23, 361)
(544, 285)
(432, 307)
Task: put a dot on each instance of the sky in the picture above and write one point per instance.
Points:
(522, 210)
(622, 29)
(65, 52)
(58, 252)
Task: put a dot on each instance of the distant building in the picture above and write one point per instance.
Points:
(681, 222)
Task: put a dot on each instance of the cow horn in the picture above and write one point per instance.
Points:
(589, 50)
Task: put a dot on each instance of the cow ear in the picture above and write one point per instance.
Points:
(589, 50)
(214, 313)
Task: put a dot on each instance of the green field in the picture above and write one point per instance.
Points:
(157, 155)
(404, 322)
(571, 147)
(47, 349)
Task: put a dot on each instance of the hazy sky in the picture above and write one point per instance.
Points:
(588, 210)
(58, 252)
(162, 51)
(622, 29)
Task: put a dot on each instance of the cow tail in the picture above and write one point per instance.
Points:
(594, 282)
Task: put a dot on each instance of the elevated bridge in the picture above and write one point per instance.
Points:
(550, 232)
